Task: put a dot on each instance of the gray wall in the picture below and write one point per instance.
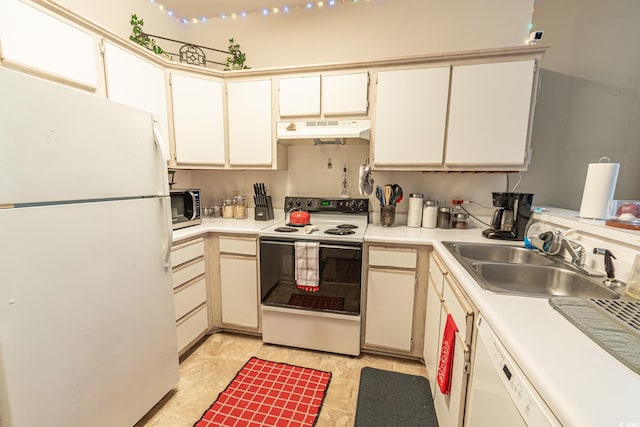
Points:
(589, 99)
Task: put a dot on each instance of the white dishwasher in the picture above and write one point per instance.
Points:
(499, 393)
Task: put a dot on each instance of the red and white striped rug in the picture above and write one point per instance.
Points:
(265, 393)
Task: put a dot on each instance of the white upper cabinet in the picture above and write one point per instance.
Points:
(198, 120)
(36, 40)
(329, 95)
(250, 123)
(490, 113)
(300, 96)
(133, 81)
(345, 94)
(410, 118)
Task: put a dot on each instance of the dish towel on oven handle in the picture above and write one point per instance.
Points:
(307, 256)
(446, 355)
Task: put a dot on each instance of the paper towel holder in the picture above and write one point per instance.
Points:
(599, 189)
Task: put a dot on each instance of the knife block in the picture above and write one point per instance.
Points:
(264, 213)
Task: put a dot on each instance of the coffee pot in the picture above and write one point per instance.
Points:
(511, 216)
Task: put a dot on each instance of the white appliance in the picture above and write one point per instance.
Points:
(87, 326)
(499, 393)
(329, 319)
(324, 131)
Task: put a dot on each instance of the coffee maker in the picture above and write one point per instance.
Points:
(511, 218)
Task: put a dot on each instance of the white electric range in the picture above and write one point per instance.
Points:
(328, 318)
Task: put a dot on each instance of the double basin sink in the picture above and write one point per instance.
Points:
(519, 271)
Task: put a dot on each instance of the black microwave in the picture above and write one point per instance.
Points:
(185, 208)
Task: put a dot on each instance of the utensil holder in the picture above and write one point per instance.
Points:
(387, 215)
(264, 213)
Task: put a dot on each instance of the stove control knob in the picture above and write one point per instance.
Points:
(352, 205)
(309, 203)
(298, 203)
(361, 206)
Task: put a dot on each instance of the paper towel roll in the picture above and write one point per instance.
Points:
(598, 189)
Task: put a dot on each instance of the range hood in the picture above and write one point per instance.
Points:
(324, 132)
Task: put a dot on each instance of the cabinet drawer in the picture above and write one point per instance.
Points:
(238, 245)
(186, 252)
(189, 297)
(191, 327)
(393, 257)
(187, 272)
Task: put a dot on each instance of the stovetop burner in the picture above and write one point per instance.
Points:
(339, 231)
(334, 220)
(285, 229)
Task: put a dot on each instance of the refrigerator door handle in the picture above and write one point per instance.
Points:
(166, 209)
(157, 139)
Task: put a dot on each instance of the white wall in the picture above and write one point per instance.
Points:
(369, 30)
(114, 15)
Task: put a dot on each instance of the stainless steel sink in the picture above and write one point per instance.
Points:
(519, 271)
(500, 253)
(539, 280)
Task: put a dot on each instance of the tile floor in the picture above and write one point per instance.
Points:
(214, 363)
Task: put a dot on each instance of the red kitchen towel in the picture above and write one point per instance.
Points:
(307, 266)
(446, 355)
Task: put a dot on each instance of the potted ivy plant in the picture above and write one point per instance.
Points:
(138, 36)
(237, 59)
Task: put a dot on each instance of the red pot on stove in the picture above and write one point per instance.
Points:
(300, 218)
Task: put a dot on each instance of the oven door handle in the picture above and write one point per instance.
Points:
(322, 246)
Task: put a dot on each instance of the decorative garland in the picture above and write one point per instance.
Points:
(284, 9)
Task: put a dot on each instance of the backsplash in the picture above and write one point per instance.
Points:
(318, 171)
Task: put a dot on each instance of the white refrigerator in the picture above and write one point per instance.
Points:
(87, 326)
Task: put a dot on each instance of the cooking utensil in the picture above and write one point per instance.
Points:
(397, 193)
(379, 195)
(387, 193)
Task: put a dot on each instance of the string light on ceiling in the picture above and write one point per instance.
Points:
(264, 12)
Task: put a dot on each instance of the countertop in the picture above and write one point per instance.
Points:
(219, 225)
(581, 383)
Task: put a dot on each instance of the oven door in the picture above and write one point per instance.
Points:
(340, 273)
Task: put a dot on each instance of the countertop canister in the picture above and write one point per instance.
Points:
(430, 214)
(414, 218)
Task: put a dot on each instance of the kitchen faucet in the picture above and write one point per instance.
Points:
(575, 250)
(561, 245)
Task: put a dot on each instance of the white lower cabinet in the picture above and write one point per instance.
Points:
(190, 292)
(390, 308)
(239, 282)
(449, 407)
(391, 280)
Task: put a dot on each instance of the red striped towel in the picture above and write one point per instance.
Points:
(446, 355)
(307, 265)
